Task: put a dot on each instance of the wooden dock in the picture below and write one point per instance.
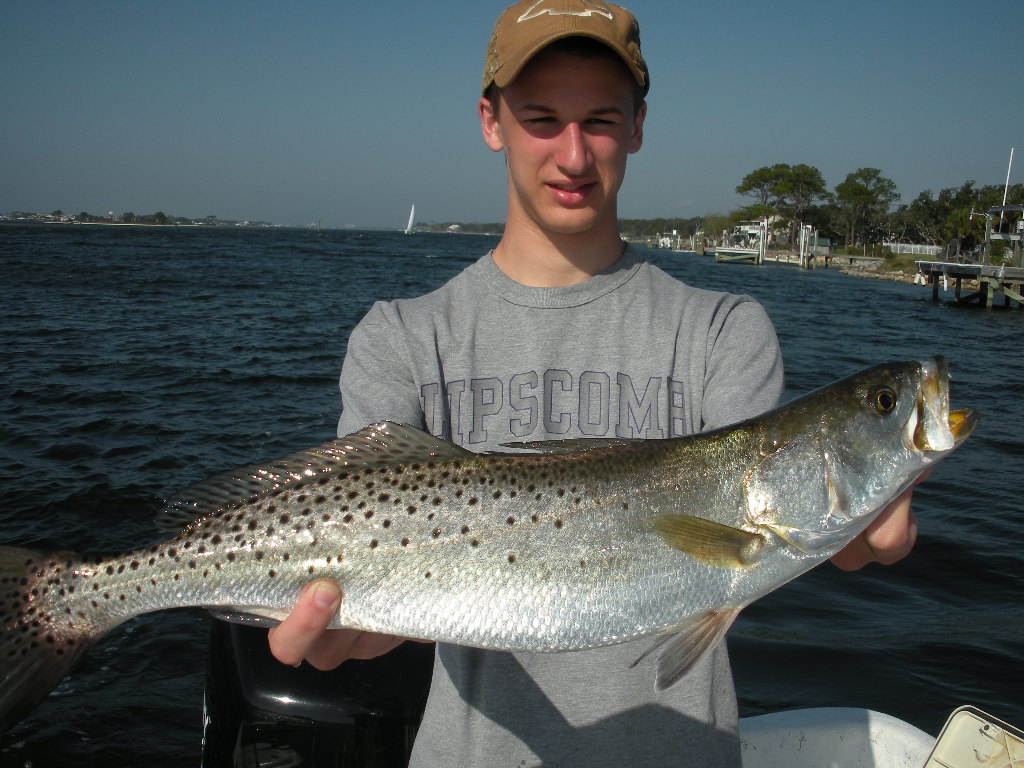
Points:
(993, 282)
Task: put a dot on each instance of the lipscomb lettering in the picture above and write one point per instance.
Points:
(554, 403)
(590, 9)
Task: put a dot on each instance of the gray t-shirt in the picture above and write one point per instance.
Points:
(632, 352)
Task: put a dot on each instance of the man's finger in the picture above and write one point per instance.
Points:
(293, 639)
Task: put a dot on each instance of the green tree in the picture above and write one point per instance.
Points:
(800, 187)
(863, 200)
(763, 186)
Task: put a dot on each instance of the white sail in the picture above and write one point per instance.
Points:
(412, 215)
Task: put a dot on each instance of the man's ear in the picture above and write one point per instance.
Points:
(489, 125)
(637, 139)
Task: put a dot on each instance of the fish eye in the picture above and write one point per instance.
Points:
(882, 400)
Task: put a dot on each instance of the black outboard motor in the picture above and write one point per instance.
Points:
(260, 713)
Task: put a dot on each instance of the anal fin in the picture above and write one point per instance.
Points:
(683, 645)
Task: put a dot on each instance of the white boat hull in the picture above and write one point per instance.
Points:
(832, 737)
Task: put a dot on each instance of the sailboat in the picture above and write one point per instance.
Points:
(412, 215)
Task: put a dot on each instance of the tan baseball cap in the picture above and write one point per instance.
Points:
(525, 28)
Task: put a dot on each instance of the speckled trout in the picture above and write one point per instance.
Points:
(556, 546)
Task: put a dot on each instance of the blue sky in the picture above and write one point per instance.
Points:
(348, 113)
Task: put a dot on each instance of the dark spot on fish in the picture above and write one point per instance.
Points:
(231, 557)
(405, 542)
(272, 573)
(258, 555)
(625, 505)
(411, 509)
(383, 497)
(558, 523)
(534, 518)
(373, 543)
(386, 524)
(368, 514)
(302, 499)
(474, 543)
(510, 520)
(465, 530)
(496, 495)
(326, 516)
(511, 558)
(436, 532)
(561, 491)
(191, 563)
(311, 569)
(353, 494)
(426, 575)
(215, 540)
(473, 500)
(347, 518)
(110, 570)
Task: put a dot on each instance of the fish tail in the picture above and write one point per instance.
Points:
(41, 636)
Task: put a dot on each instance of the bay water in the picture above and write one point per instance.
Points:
(137, 360)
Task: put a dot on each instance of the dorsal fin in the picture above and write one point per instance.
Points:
(572, 445)
(381, 444)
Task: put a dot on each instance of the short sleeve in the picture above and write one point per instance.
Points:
(744, 372)
(376, 381)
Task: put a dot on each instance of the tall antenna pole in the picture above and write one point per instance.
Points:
(1006, 187)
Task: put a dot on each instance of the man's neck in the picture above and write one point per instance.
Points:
(547, 260)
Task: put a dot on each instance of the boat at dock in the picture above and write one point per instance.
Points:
(745, 244)
(992, 281)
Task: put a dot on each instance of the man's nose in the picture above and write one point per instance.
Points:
(573, 154)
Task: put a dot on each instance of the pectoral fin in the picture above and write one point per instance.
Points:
(682, 646)
(711, 543)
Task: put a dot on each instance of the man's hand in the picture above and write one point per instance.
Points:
(304, 636)
(889, 538)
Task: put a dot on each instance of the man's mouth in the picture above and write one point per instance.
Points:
(571, 193)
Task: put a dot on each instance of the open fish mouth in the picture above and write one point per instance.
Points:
(933, 427)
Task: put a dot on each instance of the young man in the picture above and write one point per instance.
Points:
(562, 331)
